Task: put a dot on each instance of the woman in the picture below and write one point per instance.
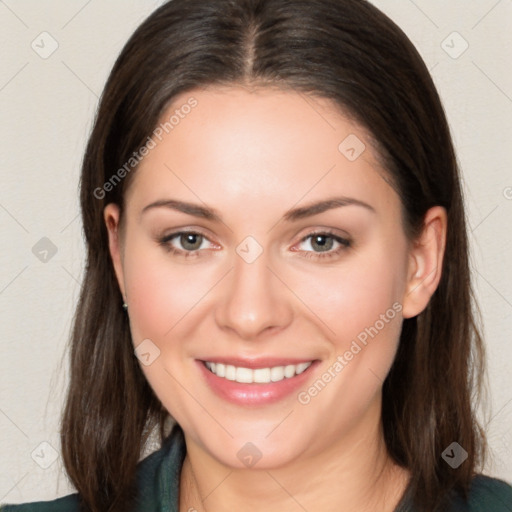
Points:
(277, 259)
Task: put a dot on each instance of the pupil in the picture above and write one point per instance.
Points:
(323, 242)
(189, 240)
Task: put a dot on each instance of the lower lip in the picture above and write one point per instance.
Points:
(254, 394)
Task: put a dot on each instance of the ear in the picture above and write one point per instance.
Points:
(425, 262)
(111, 215)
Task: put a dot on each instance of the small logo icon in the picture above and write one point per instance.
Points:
(44, 455)
(249, 454)
(44, 45)
(44, 250)
(147, 352)
(455, 455)
(454, 45)
(352, 147)
(249, 249)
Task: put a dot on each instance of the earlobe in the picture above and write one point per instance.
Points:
(425, 262)
(111, 215)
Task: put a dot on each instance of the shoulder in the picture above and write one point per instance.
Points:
(157, 480)
(146, 470)
(68, 503)
(486, 495)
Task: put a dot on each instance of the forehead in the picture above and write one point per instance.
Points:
(249, 144)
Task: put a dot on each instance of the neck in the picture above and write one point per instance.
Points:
(355, 474)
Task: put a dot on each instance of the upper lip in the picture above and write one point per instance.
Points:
(255, 363)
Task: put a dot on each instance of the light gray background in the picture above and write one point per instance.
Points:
(47, 106)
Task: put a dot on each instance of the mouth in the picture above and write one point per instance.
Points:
(266, 375)
(251, 383)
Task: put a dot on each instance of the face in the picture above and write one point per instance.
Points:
(267, 273)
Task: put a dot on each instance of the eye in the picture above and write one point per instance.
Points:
(315, 245)
(186, 243)
(323, 244)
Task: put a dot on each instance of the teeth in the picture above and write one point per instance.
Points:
(244, 375)
(220, 370)
(277, 373)
(260, 375)
(302, 367)
(230, 372)
(289, 371)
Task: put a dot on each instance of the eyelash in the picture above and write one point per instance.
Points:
(344, 245)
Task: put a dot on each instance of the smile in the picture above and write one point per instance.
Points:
(256, 376)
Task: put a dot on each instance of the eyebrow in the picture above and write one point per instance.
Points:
(290, 216)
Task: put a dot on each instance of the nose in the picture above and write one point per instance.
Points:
(254, 302)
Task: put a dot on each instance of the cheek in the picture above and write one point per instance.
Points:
(160, 292)
(361, 306)
(162, 297)
(355, 296)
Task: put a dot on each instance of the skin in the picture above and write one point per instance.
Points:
(252, 155)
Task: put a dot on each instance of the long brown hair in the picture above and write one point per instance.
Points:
(343, 50)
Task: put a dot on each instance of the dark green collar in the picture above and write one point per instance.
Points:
(159, 484)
